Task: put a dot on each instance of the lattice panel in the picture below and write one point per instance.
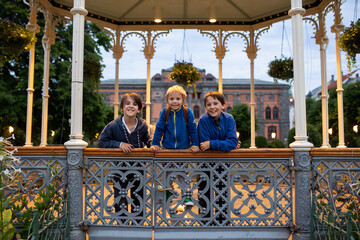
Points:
(336, 181)
(118, 191)
(36, 174)
(245, 193)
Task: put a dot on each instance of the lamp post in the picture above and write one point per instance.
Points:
(356, 128)
(11, 130)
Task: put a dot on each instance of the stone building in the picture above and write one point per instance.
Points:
(272, 100)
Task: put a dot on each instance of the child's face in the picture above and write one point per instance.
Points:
(213, 107)
(175, 100)
(130, 108)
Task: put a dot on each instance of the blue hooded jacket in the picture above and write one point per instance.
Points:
(222, 137)
(176, 134)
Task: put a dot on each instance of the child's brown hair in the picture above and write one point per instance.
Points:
(135, 97)
(217, 95)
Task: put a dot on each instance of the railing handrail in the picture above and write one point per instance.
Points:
(335, 152)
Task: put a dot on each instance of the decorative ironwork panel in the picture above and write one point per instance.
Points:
(118, 191)
(223, 192)
(334, 180)
(37, 172)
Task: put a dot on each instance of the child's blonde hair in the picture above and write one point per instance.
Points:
(178, 89)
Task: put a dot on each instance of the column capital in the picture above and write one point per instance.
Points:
(296, 10)
(79, 10)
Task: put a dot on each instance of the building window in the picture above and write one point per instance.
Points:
(198, 95)
(275, 113)
(272, 133)
(196, 111)
(228, 108)
(247, 96)
(271, 97)
(267, 113)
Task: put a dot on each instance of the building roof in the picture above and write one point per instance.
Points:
(226, 81)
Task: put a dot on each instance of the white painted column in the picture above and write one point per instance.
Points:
(324, 94)
(337, 28)
(117, 54)
(76, 138)
(252, 104)
(296, 12)
(34, 28)
(47, 42)
(220, 84)
(251, 51)
(149, 53)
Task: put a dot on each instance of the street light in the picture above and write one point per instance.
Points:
(273, 135)
(11, 129)
(237, 134)
(356, 128)
(330, 131)
(52, 133)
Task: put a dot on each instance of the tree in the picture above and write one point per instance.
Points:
(14, 77)
(242, 118)
(351, 96)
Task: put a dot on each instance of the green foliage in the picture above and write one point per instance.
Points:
(186, 74)
(242, 118)
(339, 219)
(276, 143)
(312, 132)
(349, 41)
(281, 69)
(261, 142)
(14, 78)
(8, 175)
(14, 39)
(351, 94)
(49, 200)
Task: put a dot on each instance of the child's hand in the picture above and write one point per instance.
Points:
(239, 145)
(195, 149)
(127, 148)
(205, 145)
(154, 149)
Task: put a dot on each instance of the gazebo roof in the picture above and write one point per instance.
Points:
(236, 14)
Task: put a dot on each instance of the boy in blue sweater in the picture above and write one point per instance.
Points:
(176, 129)
(217, 129)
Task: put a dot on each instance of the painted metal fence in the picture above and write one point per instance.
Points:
(336, 197)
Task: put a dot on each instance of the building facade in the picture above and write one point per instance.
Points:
(272, 99)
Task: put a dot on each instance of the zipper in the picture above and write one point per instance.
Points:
(175, 128)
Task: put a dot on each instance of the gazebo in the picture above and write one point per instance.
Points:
(219, 19)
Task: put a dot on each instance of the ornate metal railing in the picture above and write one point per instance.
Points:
(42, 186)
(336, 194)
(234, 190)
(244, 193)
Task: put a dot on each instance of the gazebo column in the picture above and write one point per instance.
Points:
(149, 53)
(47, 41)
(251, 51)
(34, 28)
(337, 28)
(301, 146)
(76, 144)
(322, 40)
(118, 51)
(220, 51)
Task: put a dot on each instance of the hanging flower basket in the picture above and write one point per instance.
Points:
(186, 74)
(349, 41)
(14, 39)
(281, 69)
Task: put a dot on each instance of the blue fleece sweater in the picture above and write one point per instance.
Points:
(176, 133)
(115, 133)
(222, 137)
